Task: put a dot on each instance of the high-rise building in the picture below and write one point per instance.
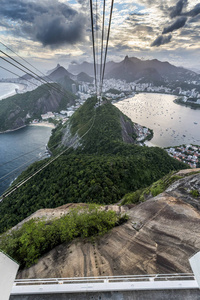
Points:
(73, 88)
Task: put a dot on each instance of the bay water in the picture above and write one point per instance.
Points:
(20, 148)
(172, 124)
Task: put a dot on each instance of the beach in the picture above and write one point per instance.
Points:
(43, 124)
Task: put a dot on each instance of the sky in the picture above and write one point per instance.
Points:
(47, 32)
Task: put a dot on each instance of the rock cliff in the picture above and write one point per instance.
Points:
(160, 236)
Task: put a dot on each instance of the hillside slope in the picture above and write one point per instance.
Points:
(160, 236)
(18, 110)
(104, 166)
(95, 128)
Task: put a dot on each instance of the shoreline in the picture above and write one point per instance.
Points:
(18, 86)
(150, 144)
(168, 123)
(44, 124)
(12, 130)
(187, 104)
(41, 124)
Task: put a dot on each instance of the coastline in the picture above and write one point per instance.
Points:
(18, 86)
(172, 125)
(149, 144)
(187, 104)
(44, 124)
(11, 130)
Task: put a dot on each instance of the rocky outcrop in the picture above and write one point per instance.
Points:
(186, 190)
(128, 132)
(160, 236)
(69, 140)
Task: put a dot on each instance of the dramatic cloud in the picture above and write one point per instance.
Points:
(50, 22)
(63, 26)
(179, 23)
(193, 12)
(187, 17)
(161, 40)
(177, 10)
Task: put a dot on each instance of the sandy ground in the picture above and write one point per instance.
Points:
(149, 144)
(44, 124)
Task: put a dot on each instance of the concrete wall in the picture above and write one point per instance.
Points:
(8, 271)
(193, 294)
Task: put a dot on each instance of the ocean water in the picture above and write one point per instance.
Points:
(18, 149)
(172, 124)
(7, 89)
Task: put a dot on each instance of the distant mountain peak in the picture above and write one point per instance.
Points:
(58, 73)
(54, 69)
(133, 68)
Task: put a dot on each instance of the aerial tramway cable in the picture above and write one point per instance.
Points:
(41, 86)
(25, 61)
(102, 73)
(38, 78)
(19, 184)
(47, 84)
(102, 40)
(108, 35)
(97, 48)
(99, 83)
(93, 43)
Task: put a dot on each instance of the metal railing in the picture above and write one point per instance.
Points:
(106, 279)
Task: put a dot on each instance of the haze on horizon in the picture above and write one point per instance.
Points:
(47, 32)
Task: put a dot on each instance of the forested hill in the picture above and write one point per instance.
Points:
(18, 110)
(95, 129)
(102, 168)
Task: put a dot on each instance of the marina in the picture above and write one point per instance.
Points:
(171, 123)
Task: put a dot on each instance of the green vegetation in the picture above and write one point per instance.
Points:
(102, 124)
(195, 193)
(101, 170)
(20, 109)
(190, 104)
(36, 237)
(103, 127)
(76, 177)
(66, 82)
(150, 136)
(153, 190)
(113, 91)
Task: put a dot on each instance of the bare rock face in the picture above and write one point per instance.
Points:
(187, 189)
(127, 131)
(160, 236)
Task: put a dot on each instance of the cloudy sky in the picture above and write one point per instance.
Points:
(47, 32)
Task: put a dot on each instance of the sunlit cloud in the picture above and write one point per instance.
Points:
(53, 30)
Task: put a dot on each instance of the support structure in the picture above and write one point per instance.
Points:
(8, 271)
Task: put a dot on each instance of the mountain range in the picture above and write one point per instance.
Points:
(132, 69)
